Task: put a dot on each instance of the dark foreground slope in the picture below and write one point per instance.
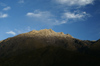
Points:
(48, 48)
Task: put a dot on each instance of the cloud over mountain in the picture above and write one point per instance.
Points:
(11, 32)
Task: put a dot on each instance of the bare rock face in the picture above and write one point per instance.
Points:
(0, 41)
(45, 33)
(68, 35)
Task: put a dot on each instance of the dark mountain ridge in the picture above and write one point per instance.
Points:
(48, 48)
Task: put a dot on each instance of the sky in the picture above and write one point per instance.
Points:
(79, 18)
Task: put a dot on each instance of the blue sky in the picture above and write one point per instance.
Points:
(80, 18)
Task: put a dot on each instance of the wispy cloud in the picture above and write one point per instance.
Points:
(68, 14)
(75, 15)
(45, 17)
(7, 8)
(48, 18)
(3, 15)
(75, 2)
(30, 14)
(11, 32)
(21, 1)
(71, 10)
(39, 14)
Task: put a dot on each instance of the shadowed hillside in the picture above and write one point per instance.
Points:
(48, 48)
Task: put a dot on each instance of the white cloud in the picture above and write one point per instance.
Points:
(45, 17)
(68, 6)
(11, 32)
(21, 1)
(7, 8)
(49, 19)
(75, 2)
(75, 15)
(34, 14)
(40, 14)
(59, 22)
(3, 15)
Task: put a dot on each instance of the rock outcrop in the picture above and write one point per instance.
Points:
(45, 33)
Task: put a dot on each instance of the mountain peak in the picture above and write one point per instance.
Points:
(45, 33)
(44, 30)
(46, 44)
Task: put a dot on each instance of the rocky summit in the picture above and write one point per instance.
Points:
(45, 33)
(48, 48)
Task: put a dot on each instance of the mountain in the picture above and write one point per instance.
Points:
(48, 48)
